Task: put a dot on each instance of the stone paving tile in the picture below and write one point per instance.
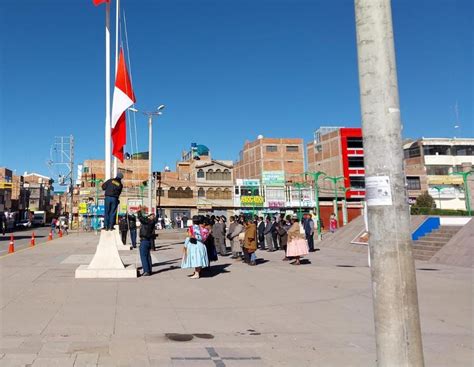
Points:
(64, 361)
(16, 360)
(86, 359)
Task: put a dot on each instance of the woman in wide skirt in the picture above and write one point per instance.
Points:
(194, 252)
(297, 245)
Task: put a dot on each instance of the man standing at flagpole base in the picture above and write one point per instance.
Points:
(113, 188)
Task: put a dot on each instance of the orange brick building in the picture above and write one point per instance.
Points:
(270, 155)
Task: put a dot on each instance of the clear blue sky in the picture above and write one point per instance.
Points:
(227, 71)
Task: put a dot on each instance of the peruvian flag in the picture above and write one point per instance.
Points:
(123, 99)
(98, 2)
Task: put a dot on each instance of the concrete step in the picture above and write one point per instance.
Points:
(429, 243)
(427, 248)
(422, 258)
(439, 235)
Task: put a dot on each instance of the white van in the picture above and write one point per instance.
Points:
(39, 218)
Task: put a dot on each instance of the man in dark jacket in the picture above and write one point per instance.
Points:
(132, 226)
(261, 233)
(308, 225)
(113, 188)
(268, 234)
(147, 235)
(123, 228)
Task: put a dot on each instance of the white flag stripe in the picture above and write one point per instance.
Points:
(120, 104)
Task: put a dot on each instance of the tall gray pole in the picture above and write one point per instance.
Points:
(397, 323)
(150, 174)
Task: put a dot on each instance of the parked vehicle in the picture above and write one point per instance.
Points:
(39, 218)
(23, 224)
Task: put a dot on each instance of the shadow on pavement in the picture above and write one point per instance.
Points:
(7, 237)
(214, 270)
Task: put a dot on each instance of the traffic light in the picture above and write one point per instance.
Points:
(93, 180)
(157, 175)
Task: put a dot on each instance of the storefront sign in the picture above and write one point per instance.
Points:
(445, 180)
(251, 201)
(276, 204)
(273, 178)
(251, 183)
(82, 208)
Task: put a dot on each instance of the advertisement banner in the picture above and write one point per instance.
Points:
(82, 208)
(273, 178)
(252, 201)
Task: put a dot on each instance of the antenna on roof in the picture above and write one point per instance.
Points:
(457, 125)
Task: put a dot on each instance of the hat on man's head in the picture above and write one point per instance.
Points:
(119, 175)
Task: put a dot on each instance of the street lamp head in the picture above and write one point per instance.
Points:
(133, 109)
(161, 107)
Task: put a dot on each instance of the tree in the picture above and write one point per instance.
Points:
(425, 200)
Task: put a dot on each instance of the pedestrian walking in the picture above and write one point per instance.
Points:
(308, 225)
(3, 222)
(123, 228)
(268, 234)
(132, 226)
(218, 232)
(113, 188)
(250, 242)
(332, 223)
(282, 229)
(147, 234)
(194, 251)
(297, 245)
(261, 233)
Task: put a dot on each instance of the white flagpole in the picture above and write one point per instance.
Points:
(107, 92)
(117, 11)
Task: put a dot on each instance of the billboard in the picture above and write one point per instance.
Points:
(273, 178)
(251, 201)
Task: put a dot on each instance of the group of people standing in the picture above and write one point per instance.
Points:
(207, 238)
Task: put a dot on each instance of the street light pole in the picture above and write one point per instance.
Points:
(467, 194)
(394, 291)
(299, 186)
(315, 176)
(150, 115)
(334, 180)
(439, 189)
(344, 204)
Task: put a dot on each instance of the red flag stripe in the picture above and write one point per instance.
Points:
(98, 2)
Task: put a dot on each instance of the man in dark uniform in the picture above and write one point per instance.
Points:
(147, 235)
(113, 188)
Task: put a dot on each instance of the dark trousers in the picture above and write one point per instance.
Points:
(246, 255)
(261, 242)
(111, 204)
(275, 240)
(133, 237)
(310, 239)
(145, 255)
(124, 237)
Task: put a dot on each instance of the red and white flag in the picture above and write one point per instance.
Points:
(98, 2)
(123, 99)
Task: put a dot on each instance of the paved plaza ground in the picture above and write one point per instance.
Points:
(274, 314)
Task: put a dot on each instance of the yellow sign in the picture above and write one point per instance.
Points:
(6, 185)
(445, 180)
(82, 208)
(251, 200)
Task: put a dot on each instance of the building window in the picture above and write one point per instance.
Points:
(354, 143)
(85, 170)
(272, 148)
(413, 183)
(412, 152)
(209, 174)
(357, 182)
(438, 170)
(201, 192)
(226, 175)
(218, 175)
(436, 150)
(237, 190)
(160, 191)
(226, 194)
(356, 162)
(188, 193)
(292, 148)
(463, 150)
(172, 193)
(210, 194)
(200, 173)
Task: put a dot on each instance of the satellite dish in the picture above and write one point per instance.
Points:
(260, 137)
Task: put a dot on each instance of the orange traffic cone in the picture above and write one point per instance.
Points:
(11, 248)
(33, 240)
(50, 236)
(60, 233)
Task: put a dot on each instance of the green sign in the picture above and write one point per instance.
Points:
(273, 178)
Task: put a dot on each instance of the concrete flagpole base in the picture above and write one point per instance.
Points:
(118, 240)
(106, 262)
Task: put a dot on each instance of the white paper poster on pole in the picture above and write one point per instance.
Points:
(378, 191)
